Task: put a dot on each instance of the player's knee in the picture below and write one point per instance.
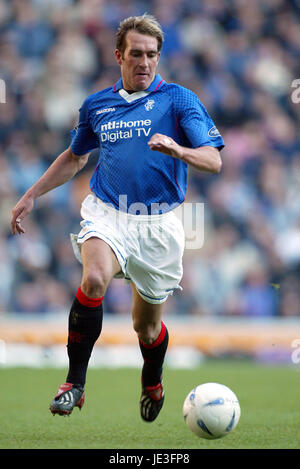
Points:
(147, 332)
(94, 284)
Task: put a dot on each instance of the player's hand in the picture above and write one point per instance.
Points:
(165, 144)
(19, 212)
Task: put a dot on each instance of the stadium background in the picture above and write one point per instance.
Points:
(241, 289)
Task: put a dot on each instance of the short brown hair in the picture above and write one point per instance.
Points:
(145, 24)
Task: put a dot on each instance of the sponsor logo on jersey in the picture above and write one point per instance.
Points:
(116, 130)
(213, 132)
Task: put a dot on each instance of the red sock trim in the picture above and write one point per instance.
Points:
(159, 339)
(86, 301)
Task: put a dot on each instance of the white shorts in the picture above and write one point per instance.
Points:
(149, 248)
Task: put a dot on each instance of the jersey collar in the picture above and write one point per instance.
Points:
(155, 85)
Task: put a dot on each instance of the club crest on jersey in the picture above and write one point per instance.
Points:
(149, 104)
(213, 132)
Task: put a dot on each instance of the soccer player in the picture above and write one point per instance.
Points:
(148, 132)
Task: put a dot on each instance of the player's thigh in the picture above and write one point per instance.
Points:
(99, 264)
(146, 317)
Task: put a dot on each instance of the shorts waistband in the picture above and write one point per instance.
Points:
(129, 216)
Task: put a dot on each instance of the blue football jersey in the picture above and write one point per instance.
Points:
(129, 175)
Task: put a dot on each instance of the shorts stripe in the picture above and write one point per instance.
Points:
(102, 236)
(153, 297)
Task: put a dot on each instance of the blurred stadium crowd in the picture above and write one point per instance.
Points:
(241, 58)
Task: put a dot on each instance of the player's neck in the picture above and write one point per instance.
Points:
(130, 91)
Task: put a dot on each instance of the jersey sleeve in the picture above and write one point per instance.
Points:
(83, 137)
(195, 121)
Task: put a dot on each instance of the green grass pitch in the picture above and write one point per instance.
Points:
(268, 395)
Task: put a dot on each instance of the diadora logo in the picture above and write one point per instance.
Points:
(107, 109)
(149, 104)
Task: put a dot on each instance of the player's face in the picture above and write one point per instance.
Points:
(138, 61)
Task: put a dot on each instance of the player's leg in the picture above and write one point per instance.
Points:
(146, 317)
(99, 264)
(153, 341)
(85, 321)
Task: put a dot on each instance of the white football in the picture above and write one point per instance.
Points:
(211, 410)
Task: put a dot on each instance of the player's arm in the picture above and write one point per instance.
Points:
(61, 170)
(205, 158)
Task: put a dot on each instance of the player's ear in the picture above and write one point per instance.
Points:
(118, 56)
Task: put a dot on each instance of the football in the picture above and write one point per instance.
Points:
(211, 410)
